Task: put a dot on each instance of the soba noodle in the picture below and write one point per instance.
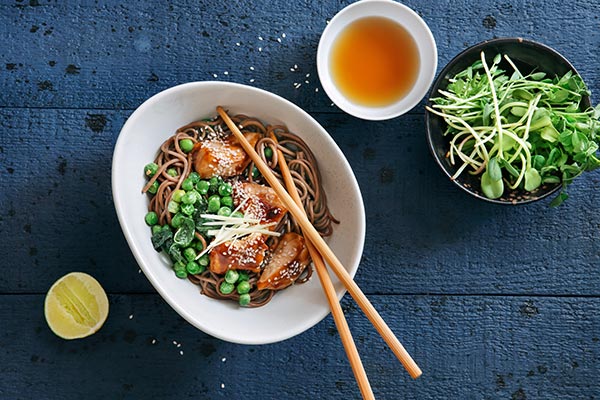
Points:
(302, 165)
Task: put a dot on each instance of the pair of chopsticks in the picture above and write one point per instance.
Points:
(320, 252)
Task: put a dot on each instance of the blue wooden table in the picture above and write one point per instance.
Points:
(493, 302)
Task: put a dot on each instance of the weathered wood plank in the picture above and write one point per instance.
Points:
(113, 54)
(468, 347)
(423, 234)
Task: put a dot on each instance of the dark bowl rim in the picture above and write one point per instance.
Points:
(435, 87)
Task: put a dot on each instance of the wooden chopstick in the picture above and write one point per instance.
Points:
(336, 310)
(311, 233)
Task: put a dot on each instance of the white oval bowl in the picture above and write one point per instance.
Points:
(403, 16)
(291, 311)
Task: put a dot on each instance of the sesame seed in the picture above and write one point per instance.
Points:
(283, 35)
(298, 85)
(153, 341)
(215, 75)
(260, 38)
(174, 342)
(260, 49)
(178, 344)
(317, 90)
(292, 69)
(223, 359)
(332, 104)
(307, 75)
(181, 352)
(251, 68)
(295, 66)
(225, 73)
(131, 316)
(306, 82)
(237, 43)
(222, 386)
(251, 80)
(279, 40)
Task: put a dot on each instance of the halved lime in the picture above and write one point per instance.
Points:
(76, 306)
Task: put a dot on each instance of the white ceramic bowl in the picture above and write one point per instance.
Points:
(291, 311)
(412, 23)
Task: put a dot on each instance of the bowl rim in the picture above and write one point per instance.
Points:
(428, 64)
(359, 230)
(435, 87)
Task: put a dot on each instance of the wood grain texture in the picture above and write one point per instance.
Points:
(469, 347)
(423, 234)
(492, 302)
(112, 54)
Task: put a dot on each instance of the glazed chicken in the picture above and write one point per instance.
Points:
(262, 204)
(222, 157)
(246, 253)
(287, 263)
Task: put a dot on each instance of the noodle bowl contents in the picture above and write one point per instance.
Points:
(222, 227)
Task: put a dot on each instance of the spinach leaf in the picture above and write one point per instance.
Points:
(160, 237)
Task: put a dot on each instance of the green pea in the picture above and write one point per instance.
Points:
(190, 197)
(237, 214)
(173, 207)
(214, 203)
(243, 276)
(172, 172)
(179, 269)
(186, 145)
(194, 176)
(153, 188)
(215, 181)
(166, 227)
(150, 169)
(243, 287)
(179, 265)
(226, 287)
(268, 152)
(231, 276)
(187, 184)
(198, 245)
(244, 299)
(225, 189)
(156, 229)
(192, 267)
(204, 260)
(177, 220)
(227, 201)
(255, 173)
(189, 254)
(151, 218)
(177, 195)
(203, 187)
(188, 209)
(224, 211)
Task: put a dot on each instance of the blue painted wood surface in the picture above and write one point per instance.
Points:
(493, 302)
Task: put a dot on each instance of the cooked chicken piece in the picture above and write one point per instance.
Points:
(222, 157)
(262, 204)
(246, 253)
(287, 263)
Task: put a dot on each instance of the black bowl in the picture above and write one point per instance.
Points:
(527, 56)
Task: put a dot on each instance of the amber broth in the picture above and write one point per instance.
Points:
(374, 61)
